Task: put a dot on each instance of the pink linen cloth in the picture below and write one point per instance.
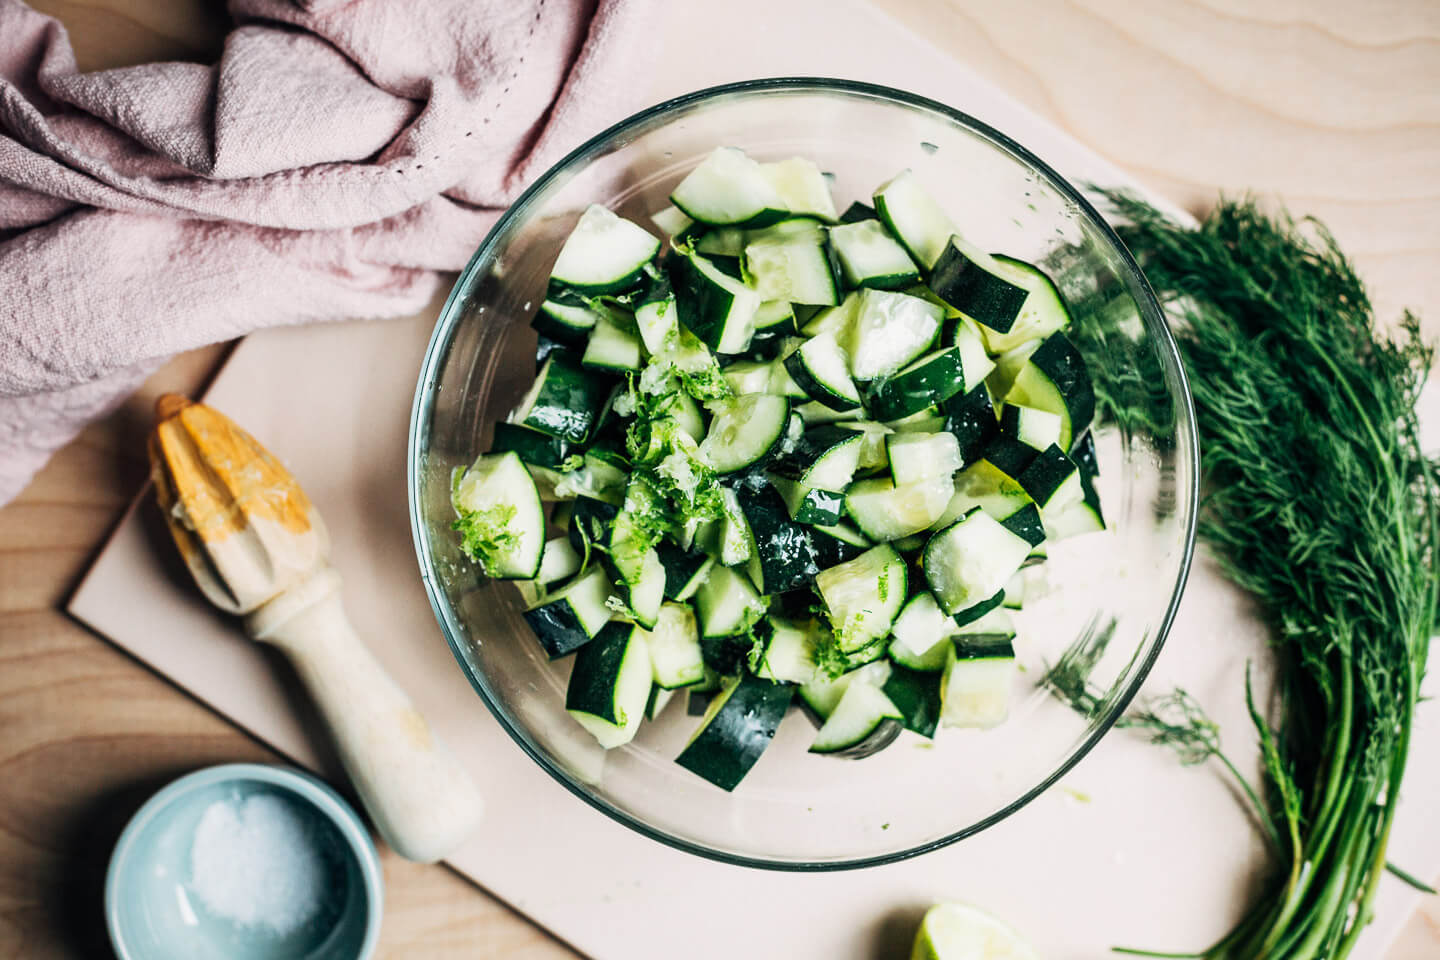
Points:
(340, 155)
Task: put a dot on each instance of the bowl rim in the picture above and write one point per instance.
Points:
(300, 784)
(443, 334)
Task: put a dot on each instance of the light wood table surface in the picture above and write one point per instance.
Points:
(1329, 105)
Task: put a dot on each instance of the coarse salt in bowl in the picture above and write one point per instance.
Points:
(246, 862)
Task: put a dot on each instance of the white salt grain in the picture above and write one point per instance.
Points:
(254, 862)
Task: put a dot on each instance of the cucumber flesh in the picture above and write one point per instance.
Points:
(499, 516)
(861, 712)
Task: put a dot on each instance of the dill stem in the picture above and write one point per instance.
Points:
(1397, 769)
(1267, 821)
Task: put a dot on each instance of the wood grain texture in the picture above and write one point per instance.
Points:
(1328, 106)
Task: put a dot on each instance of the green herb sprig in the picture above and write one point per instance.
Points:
(1319, 503)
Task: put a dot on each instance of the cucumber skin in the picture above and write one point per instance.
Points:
(571, 404)
(785, 549)
(977, 610)
(557, 628)
(814, 389)
(971, 417)
(975, 291)
(725, 750)
(702, 305)
(534, 448)
(910, 392)
(1026, 524)
(917, 696)
(832, 551)
(858, 211)
(1059, 360)
(595, 662)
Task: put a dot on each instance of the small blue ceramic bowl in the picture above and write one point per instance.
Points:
(153, 911)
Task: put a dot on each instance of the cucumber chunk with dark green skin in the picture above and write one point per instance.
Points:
(917, 696)
(933, 378)
(836, 544)
(862, 723)
(870, 257)
(566, 620)
(716, 308)
(970, 281)
(818, 451)
(1044, 312)
(810, 505)
(535, 448)
(566, 400)
(1025, 522)
(603, 254)
(610, 684)
(971, 417)
(566, 323)
(681, 569)
(593, 679)
(738, 725)
(1055, 379)
(784, 548)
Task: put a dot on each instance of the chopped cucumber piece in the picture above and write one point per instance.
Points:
(796, 269)
(975, 690)
(915, 457)
(566, 620)
(565, 399)
(821, 368)
(789, 655)
(802, 187)
(726, 604)
(969, 561)
(914, 217)
(738, 725)
(566, 323)
(870, 257)
(614, 344)
(746, 432)
(603, 254)
(977, 285)
(889, 330)
(861, 713)
(1043, 313)
(863, 596)
(916, 694)
(610, 684)
(884, 511)
(718, 309)
(499, 516)
(1055, 379)
(674, 646)
(729, 188)
(559, 561)
(1037, 429)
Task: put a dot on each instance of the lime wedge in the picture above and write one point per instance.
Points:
(954, 931)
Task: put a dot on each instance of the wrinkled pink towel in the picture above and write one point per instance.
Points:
(340, 155)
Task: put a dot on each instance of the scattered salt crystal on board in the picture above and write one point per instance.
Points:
(257, 863)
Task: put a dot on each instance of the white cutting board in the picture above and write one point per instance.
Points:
(1133, 849)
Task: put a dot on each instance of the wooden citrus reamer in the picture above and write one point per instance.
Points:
(257, 548)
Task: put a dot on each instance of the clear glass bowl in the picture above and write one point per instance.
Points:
(1112, 595)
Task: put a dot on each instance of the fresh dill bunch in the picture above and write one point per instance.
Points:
(1320, 504)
